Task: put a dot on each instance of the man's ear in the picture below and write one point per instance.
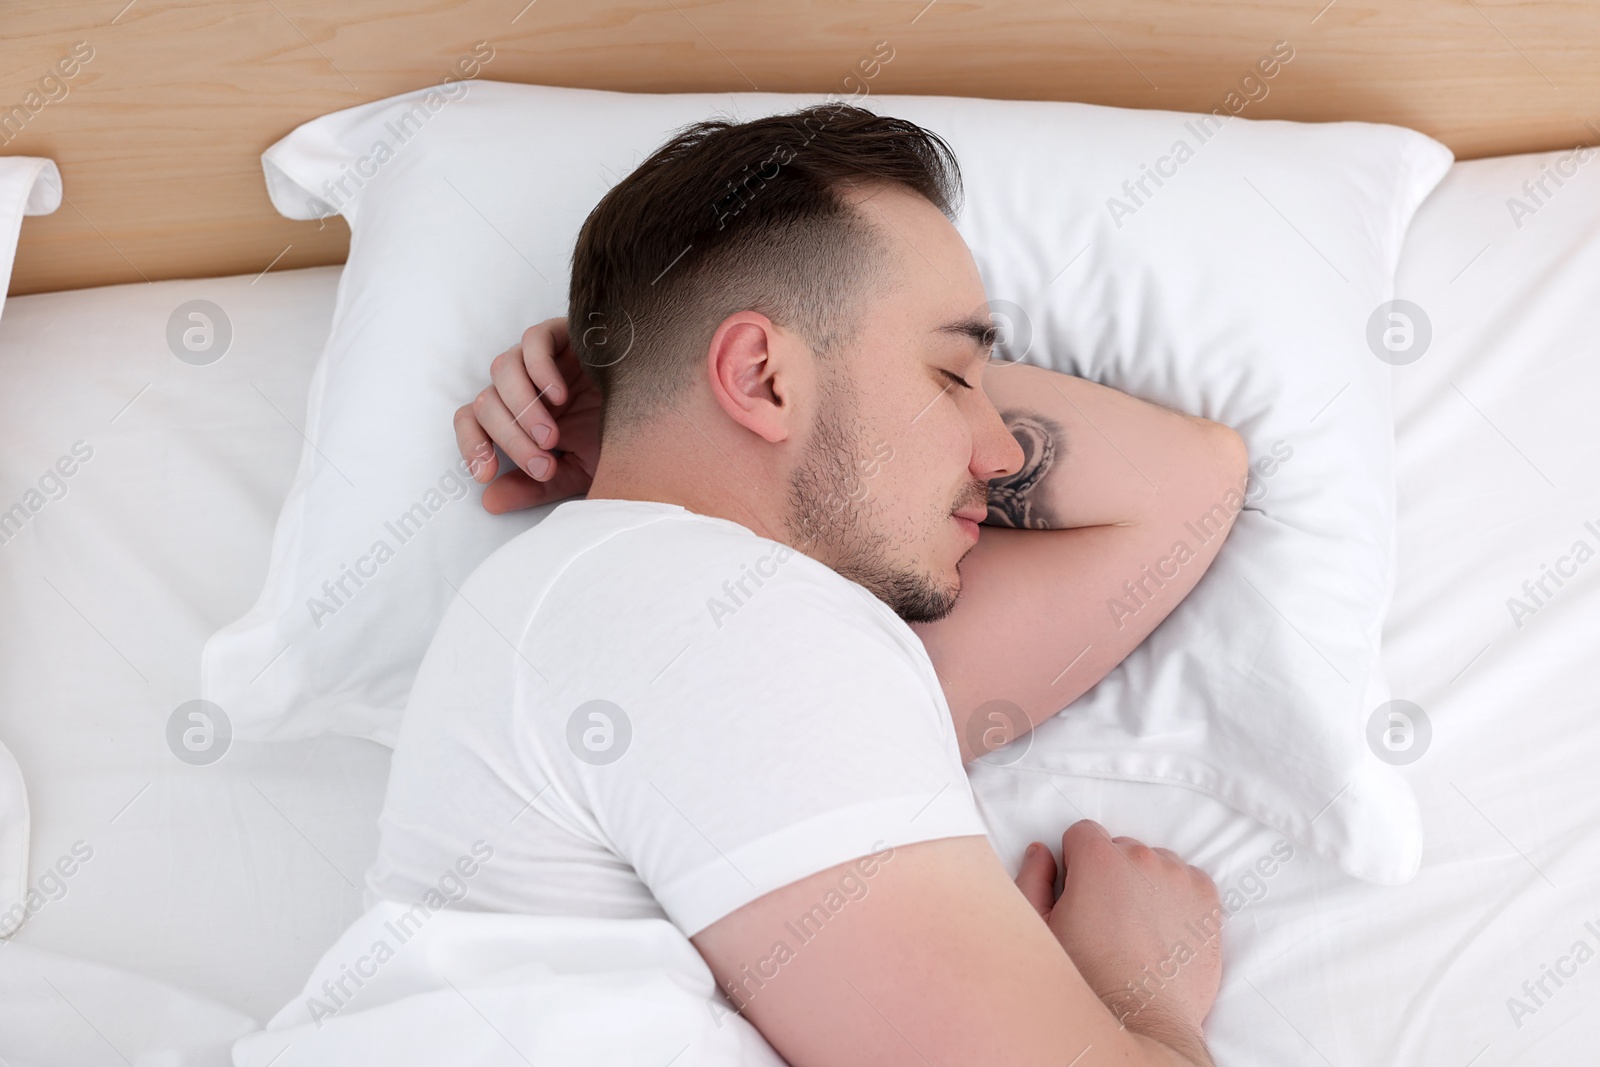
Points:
(751, 371)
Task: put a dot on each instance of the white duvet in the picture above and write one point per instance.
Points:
(417, 987)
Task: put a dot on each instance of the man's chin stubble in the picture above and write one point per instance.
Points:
(914, 597)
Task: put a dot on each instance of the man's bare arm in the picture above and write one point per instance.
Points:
(942, 960)
(1119, 508)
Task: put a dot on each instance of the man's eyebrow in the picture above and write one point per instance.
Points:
(985, 333)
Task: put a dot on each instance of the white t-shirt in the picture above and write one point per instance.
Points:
(639, 710)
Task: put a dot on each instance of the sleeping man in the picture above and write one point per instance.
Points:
(829, 553)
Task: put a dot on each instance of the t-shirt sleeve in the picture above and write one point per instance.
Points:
(790, 735)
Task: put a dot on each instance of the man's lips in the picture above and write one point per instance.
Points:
(969, 519)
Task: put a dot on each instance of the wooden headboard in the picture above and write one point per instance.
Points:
(159, 126)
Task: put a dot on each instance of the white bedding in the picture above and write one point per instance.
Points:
(406, 987)
(227, 880)
(231, 880)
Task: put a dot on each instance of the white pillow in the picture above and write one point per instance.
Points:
(1240, 289)
(28, 186)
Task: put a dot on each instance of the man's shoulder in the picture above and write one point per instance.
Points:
(643, 571)
(657, 544)
(612, 530)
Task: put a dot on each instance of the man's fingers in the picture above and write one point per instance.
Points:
(475, 446)
(1037, 879)
(521, 397)
(531, 381)
(497, 421)
(567, 360)
(1080, 836)
(517, 491)
(541, 345)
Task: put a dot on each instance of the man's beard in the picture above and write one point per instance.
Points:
(829, 519)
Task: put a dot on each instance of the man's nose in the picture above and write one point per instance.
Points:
(997, 453)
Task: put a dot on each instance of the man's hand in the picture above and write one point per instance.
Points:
(1143, 927)
(544, 412)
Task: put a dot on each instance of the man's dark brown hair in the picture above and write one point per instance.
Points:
(729, 217)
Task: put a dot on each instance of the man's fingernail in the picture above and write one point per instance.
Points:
(539, 468)
(541, 435)
(1031, 850)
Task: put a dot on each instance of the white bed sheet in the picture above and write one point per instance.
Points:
(229, 880)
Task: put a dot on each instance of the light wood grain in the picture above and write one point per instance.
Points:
(158, 137)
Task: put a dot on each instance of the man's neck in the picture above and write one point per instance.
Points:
(688, 478)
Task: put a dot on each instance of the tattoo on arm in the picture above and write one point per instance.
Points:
(1014, 500)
